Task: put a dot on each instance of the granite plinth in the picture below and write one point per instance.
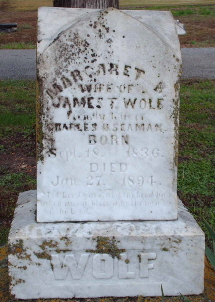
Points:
(98, 259)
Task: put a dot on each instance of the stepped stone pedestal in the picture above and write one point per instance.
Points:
(97, 259)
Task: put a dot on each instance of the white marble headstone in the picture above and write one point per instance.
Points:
(107, 115)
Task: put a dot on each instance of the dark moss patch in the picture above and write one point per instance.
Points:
(48, 244)
(165, 249)
(18, 250)
(43, 255)
(106, 245)
(19, 281)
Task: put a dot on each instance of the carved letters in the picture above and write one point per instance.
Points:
(77, 76)
(75, 91)
(101, 266)
(108, 122)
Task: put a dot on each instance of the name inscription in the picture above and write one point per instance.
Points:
(81, 90)
(101, 266)
(109, 131)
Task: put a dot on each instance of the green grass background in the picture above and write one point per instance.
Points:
(34, 4)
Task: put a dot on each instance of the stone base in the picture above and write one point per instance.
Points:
(98, 259)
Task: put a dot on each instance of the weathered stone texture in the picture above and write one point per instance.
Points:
(94, 259)
(108, 115)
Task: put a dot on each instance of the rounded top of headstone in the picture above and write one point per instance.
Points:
(112, 33)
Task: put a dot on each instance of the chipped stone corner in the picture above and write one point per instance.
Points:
(180, 27)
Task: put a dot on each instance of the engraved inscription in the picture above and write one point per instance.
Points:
(98, 153)
(144, 265)
(107, 128)
(108, 140)
(70, 264)
(64, 181)
(102, 266)
(112, 167)
(124, 269)
(95, 98)
(89, 72)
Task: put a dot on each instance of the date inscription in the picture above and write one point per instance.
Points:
(102, 180)
(101, 153)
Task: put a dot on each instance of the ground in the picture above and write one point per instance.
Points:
(199, 22)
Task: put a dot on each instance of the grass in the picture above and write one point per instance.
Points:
(160, 4)
(24, 4)
(17, 102)
(210, 252)
(17, 135)
(33, 5)
(18, 45)
(25, 26)
(196, 10)
(196, 155)
(178, 10)
(17, 106)
(16, 180)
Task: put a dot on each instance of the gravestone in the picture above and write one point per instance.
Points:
(108, 118)
(105, 220)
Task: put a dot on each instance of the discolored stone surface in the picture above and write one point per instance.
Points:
(98, 259)
(107, 115)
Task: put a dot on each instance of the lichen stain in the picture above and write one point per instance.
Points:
(67, 241)
(47, 244)
(62, 251)
(3, 252)
(43, 255)
(18, 250)
(39, 131)
(70, 48)
(19, 281)
(159, 87)
(100, 25)
(51, 245)
(45, 125)
(4, 277)
(61, 54)
(175, 116)
(165, 249)
(171, 245)
(178, 241)
(106, 245)
(22, 267)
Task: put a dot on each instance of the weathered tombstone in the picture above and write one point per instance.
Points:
(107, 152)
(108, 119)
